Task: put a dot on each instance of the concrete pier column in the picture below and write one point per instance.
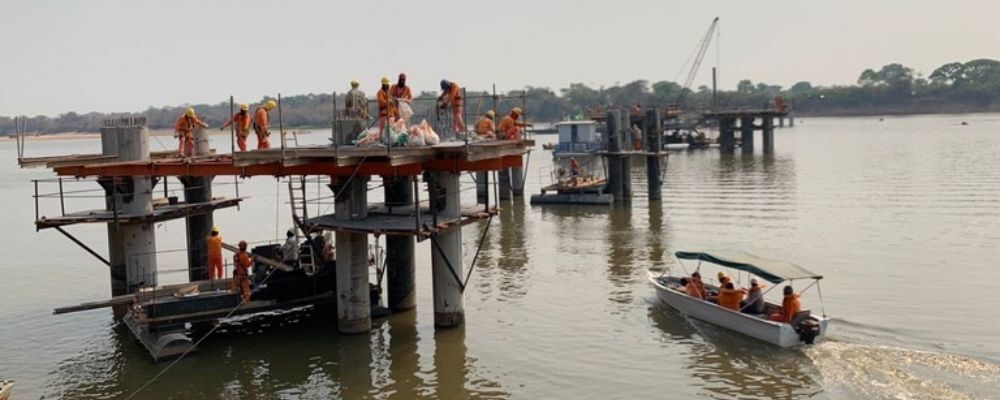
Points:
(727, 139)
(517, 181)
(198, 189)
(627, 143)
(505, 184)
(400, 264)
(482, 187)
(791, 120)
(767, 135)
(446, 252)
(781, 122)
(613, 144)
(746, 134)
(131, 248)
(353, 303)
(654, 134)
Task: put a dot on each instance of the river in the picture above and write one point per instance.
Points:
(902, 217)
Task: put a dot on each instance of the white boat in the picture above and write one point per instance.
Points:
(5, 389)
(805, 328)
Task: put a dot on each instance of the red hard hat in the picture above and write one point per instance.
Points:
(402, 75)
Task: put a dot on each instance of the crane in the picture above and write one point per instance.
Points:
(699, 56)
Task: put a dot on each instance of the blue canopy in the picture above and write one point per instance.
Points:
(770, 270)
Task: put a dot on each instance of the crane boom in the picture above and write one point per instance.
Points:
(702, 48)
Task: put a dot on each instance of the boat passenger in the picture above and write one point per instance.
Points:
(241, 272)
(730, 297)
(755, 298)
(723, 278)
(690, 288)
(290, 250)
(789, 307)
(698, 284)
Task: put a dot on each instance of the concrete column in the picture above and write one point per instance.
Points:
(727, 140)
(612, 140)
(505, 184)
(768, 135)
(627, 143)
(781, 122)
(400, 264)
(746, 134)
(198, 189)
(654, 134)
(517, 181)
(482, 187)
(791, 120)
(131, 248)
(353, 303)
(446, 254)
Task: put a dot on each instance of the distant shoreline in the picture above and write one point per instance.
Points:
(45, 137)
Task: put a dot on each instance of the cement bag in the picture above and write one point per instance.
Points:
(416, 137)
(368, 137)
(405, 111)
(430, 137)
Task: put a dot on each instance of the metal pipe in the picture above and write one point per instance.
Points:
(232, 128)
(62, 201)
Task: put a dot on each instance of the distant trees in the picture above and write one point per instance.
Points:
(893, 88)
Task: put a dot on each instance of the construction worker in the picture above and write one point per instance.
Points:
(485, 128)
(215, 254)
(242, 262)
(510, 127)
(290, 250)
(401, 92)
(790, 305)
(386, 104)
(356, 102)
(261, 121)
(241, 120)
(184, 128)
(575, 171)
(451, 97)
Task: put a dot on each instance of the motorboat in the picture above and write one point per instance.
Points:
(5, 388)
(806, 327)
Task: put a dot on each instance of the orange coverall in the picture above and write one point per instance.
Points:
(386, 108)
(185, 133)
(790, 306)
(215, 257)
(453, 99)
(242, 122)
(509, 128)
(261, 119)
(398, 92)
(730, 298)
(485, 127)
(241, 274)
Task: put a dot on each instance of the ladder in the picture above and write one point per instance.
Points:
(300, 212)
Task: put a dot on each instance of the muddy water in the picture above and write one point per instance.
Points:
(901, 216)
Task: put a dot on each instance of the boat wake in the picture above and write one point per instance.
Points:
(855, 370)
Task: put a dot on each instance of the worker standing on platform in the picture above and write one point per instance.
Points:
(386, 104)
(356, 102)
(261, 122)
(215, 254)
(451, 97)
(184, 128)
(485, 128)
(241, 120)
(242, 262)
(290, 250)
(401, 93)
(510, 127)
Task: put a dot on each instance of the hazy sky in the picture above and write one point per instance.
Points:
(101, 55)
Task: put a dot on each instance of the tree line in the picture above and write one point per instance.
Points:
(972, 86)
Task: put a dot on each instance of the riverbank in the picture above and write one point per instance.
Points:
(40, 137)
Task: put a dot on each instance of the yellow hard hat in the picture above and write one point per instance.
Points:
(215, 229)
(491, 114)
(517, 110)
(245, 107)
(355, 83)
(271, 104)
(189, 112)
(385, 80)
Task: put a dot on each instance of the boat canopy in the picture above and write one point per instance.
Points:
(770, 270)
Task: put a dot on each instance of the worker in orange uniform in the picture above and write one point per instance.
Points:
(261, 122)
(730, 297)
(184, 128)
(510, 127)
(485, 128)
(401, 93)
(241, 120)
(790, 306)
(215, 254)
(386, 104)
(241, 272)
(451, 97)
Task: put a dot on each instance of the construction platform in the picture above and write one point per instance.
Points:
(400, 220)
(161, 212)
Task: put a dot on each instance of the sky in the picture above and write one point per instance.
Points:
(118, 56)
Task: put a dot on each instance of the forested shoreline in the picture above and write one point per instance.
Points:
(893, 89)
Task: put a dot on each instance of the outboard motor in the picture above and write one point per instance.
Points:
(808, 331)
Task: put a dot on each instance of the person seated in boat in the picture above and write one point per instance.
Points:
(790, 306)
(575, 171)
(755, 298)
(691, 289)
(723, 278)
(698, 285)
(730, 297)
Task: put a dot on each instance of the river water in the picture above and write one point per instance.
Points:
(901, 216)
